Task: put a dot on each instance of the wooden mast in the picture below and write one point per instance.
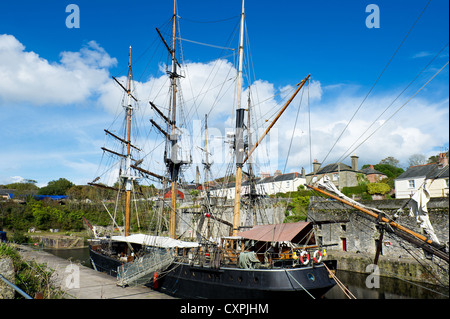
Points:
(239, 145)
(128, 181)
(173, 202)
(300, 85)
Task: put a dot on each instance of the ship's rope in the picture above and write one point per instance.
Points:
(376, 81)
(288, 274)
(344, 289)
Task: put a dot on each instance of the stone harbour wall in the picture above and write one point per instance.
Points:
(353, 237)
(59, 241)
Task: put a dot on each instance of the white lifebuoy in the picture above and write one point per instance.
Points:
(387, 243)
(302, 255)
(317, 260)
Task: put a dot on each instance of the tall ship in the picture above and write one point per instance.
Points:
(212, 248)
(246, 259)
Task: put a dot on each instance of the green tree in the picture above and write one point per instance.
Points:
(58, 187)
(298, 209)
(389, 170)
(433, 159)
(23, 189)
(390, 161)
(417, 159)
(362, 179)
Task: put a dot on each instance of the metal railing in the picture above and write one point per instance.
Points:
(20, 291)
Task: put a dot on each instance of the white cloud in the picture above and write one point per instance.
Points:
(83, 76)
(421, 54)
(27, 77)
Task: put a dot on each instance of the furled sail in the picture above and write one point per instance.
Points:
(419, 210)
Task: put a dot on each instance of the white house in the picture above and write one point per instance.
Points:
(282, 183)
(434, 176)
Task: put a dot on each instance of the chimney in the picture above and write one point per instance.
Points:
(277, 173)
(303, 172)
(354, 162)
(316, 166)
(264, 175)
(197, 174)
(443, 159)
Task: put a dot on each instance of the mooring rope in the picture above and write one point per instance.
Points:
(344, 289)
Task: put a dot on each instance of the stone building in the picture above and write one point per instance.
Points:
(356, 232)
(372, 174)
(340, 174)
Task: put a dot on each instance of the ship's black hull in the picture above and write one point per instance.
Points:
(104, 263)
(182, 280)
(186, 281)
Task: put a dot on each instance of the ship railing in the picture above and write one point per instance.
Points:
(199, 256)
(214, 257)
(144, 267)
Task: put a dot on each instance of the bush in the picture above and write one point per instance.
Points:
(30, 276)
(357, 190)
(297, 209)
(20, 238)
(378, 188)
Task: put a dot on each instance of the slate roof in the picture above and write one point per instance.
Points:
(370, 170)
(270, 179)
(332, 168)
(428, 171)
(286, 177)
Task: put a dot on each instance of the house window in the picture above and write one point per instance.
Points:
(287, 183)
(411, 183)
(335, 177)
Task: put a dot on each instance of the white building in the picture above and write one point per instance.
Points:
(282, 183)
(433, 176)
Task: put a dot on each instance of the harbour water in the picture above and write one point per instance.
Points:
(389, 288)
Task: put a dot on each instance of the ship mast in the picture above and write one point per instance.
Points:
(128, 177)
(174, 165)
(239, 137)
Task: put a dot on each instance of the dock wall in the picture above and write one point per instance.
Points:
(59, 241)
(352, 239)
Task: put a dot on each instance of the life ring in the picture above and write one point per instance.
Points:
(155, 280)
(387, 243)
(304, 261)
(317, 260)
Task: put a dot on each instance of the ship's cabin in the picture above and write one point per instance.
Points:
(266, 246)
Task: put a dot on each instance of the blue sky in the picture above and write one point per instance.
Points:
(57, 94)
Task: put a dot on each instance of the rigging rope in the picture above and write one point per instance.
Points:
(402, 105)
(376, 81)
(347, 152)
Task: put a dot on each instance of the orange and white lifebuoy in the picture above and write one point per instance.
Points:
(317, 260)
(304, 260)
